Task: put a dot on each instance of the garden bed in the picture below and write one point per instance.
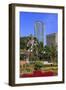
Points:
(39, 74)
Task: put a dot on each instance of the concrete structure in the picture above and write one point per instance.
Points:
(39, 31)
(52, 39)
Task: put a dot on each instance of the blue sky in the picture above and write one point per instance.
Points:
(28, 19)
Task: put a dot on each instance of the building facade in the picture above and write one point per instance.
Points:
(52, 39)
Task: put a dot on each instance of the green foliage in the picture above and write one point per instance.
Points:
(22, 57)
(47, 53)
(39, 52)
(33, 58)
(53, 54)
(41, 47)
(28, 70)
(23, 42)
(38, 65)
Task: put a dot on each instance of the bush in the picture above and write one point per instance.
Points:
(38, 65)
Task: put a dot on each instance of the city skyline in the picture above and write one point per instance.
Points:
(28, 19)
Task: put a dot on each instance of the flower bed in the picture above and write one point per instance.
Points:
(39, 74)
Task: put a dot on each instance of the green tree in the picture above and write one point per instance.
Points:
(50, 53)
(41, 47)
(23, 42)
(53, 53)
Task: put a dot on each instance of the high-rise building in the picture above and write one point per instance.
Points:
(52, 39)
(39, 31)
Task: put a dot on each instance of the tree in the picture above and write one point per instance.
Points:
(41, 47)
(53, 53)
(23, 42)
(34, 55)
(50, 53)
(47, 53)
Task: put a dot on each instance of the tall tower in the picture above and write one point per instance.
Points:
(39, 31)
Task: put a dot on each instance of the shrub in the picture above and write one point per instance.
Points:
(38, 65)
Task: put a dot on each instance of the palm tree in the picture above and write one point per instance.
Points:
(34, 54)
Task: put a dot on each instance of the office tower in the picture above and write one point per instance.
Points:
(39, 31)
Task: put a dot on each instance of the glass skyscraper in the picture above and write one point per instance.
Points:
(39, 31)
